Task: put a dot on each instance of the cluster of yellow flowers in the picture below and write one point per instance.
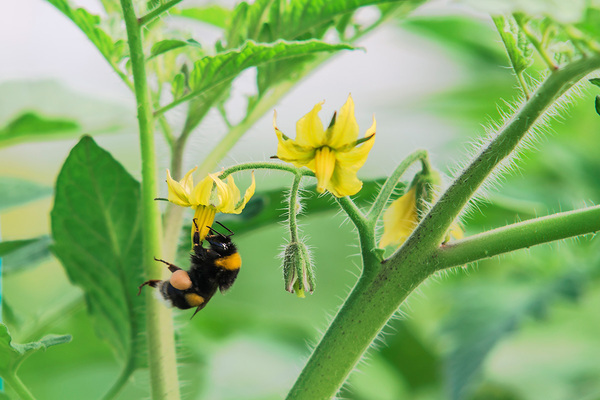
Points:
(334, 154)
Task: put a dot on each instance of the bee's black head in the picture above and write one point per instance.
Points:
(220, 243)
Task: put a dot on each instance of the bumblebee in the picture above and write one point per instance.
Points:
(211, 268)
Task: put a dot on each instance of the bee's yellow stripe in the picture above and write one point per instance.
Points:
(193, 299)
(231, 262)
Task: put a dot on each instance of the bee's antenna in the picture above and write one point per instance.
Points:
(228, 230)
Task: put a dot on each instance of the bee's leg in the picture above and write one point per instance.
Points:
(196, 239)
(152, 283)
(172, 267)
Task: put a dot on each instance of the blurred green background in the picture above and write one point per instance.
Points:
(524, 326)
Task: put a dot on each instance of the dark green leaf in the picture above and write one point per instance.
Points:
(212, 14)
(30, 125)
(17, 192)
(19, 255)
(96, 229)
(595, 81)
(170, 44)
(211, 71)
(597, 104)
(12, 354)
(509, 33)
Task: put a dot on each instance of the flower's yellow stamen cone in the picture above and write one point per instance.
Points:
(205, 216)
(324, 166)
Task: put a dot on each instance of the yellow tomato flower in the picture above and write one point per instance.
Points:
(402, 217)
(208, 197)
(335, 155)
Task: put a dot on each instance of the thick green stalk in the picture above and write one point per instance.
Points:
(432, 230)
(518, 236)
(161, 342)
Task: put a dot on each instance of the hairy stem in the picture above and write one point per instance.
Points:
(157, 12)
(161, 342)
(432, 229)
(519, 236)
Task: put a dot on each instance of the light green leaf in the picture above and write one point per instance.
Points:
(19, 255)
(509, 33)
(17, 192)
(96, 229)
(178, 85)
(32, 126)
(12, 354)
(212, 14)
(211, 71)
(167, 45)
(113, 51)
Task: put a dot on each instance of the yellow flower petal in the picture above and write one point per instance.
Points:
(290, 151)
(204, 216)
(324, 167)
(400, 219)
(221, 199)
(202, 192)
(247, 195)
(345, 129)
(309, 129)
(344, 182)
(355, 158)
(179, 192)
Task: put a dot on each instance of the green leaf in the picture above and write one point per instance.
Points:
(19, 255)
(509, 33)
(170, 44)
(30, 125)
(113, 51)
(211, 71)
(597, 105)
(12, 354)
(595, 81)
(17, 192)
(178, 85)
(96, 229)
(212, 14)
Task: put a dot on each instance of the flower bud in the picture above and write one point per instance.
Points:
(297, 269)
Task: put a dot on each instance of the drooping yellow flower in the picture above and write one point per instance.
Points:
(335, 155)
(208, 197)
(402, 217)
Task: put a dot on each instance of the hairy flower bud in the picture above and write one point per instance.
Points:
(297, 269)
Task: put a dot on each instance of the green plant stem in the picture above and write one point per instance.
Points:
(388, 187)
(157, 12)
(120, 382)
(161, 342)
(293, 208)
(519, 236)
(17, 385)
(432, 230)
(265, 165)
